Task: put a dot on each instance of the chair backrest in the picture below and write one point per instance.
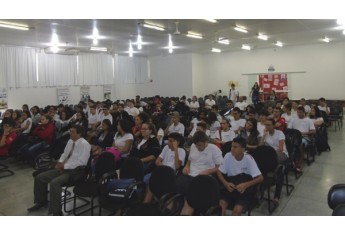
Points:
(132, 168)
(293, 141)
(203, 193)
(105, 164)
(266, 159)
(336, 195)
(162, 181)
(339, 210)
(171, 204)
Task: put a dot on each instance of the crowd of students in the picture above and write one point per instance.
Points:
(184, 135)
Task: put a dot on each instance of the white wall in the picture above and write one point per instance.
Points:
(195, 74)
(324, 65)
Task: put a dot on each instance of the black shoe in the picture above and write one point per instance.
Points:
(58, 214)
(37, 206)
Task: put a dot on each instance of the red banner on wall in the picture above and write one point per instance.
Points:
(276, 82)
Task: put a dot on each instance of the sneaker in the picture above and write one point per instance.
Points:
(37, 206)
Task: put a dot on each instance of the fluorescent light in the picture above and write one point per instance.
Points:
(262, 36)
(216, 50)
(224, 41)
(212, 20)
(245, 47)
(193, 35)
(325, 39)
(278, 43)
(130, 50)
(54, 49)
(156, 27)
(95, 36)
(95, 41)
(139, 42)
(13, 25)
(98, 49)
(170, 45)
(341, 22)
(243, 30)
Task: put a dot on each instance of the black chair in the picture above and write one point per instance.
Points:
(339, 210)
(104, 170)
(267, 161)
(336, 116)
(293, 142)
(203, 195)
(336, 197)
(132, 168)
(4, 170)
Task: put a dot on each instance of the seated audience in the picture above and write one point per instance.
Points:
(251, 134)
(8, 136)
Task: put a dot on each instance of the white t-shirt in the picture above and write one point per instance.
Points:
(214, 127)
(317, 120)
(161, 134)
(233, 94)
(23, 124)
(207, 132)
(289, 118)
(241, 105)
(168, 156)
(194, 105)
(232, 167)
(261, 129)
(103, 117)
(325, 108)
(235, 124)
(209, 103)
(179, 128)
(120, 141)
(93, 119)
(226, 135)
(132, 111)
(307, 109)
(207, 159)
(273, 140)
(304, 125)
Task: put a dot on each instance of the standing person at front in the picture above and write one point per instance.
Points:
(76, 153)
(255, 93)
(233, 94)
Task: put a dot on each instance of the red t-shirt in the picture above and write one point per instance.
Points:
(9, 140)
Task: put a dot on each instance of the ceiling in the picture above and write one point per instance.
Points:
(116, 34)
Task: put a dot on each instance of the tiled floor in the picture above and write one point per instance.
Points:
(308, 199)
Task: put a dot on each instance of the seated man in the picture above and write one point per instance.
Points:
(235, 163)
(76, 153)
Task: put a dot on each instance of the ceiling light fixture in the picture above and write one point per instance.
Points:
(243, 30)
(211, 20)
(95, 36)
(130, 50)
(325, 39)
(153, 26)
(170, 45)
(194, 35)
(224, 41)
(262, 37)
(139, 42)
(216, 50)
(278, 43)
(245, 47)
(11, 25)
(55, 43)
(102, 49)
(341, 22)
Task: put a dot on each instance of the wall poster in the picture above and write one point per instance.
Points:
(276, 82)
(63, 96)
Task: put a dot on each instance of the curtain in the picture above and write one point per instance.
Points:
(95, 69)
(17, 67)
(132, 70)
(57, 70)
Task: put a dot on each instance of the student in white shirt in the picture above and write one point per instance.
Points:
(224, 135)
(123, 139)
(92, 117)
(237, 124)
(194, 104)
(233, 94)
(241, 104)
(237, 162)
(210, 102)
(303, 103)
(315, 116)
(175, 126)
(131, 109)
(323, 106)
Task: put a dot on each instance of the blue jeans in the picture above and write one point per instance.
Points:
(30, 151)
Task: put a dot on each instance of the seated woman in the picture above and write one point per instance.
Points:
(315, 116)
(139, 120)
(24, 130)
(250, 134)
(16, 118)
(41, 136)
(224, 135)
(7, 138)
(104, 139)
(148, 149)
(81, 120)
(123, 139)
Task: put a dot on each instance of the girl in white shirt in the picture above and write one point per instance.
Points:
(123, 139)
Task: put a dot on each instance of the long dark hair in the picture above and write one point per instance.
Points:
(253, 136)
